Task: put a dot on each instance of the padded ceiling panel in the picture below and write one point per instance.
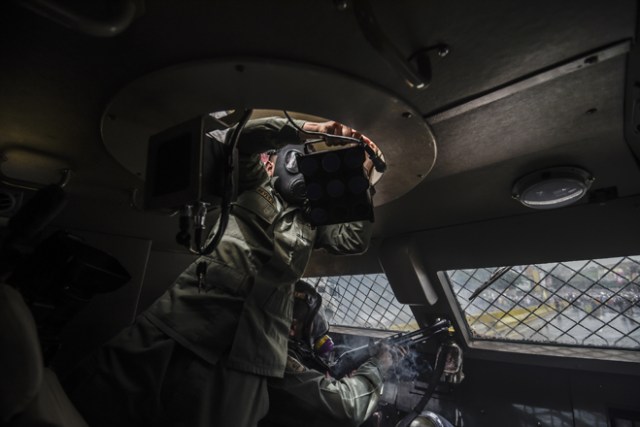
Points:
(482, 152)
(486, 193)
(555, 113)
(495, 42)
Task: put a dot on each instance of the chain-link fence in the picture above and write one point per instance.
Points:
(586, 303)
(364, 301)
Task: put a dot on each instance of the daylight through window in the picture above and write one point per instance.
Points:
(586, 303)
(364, 301)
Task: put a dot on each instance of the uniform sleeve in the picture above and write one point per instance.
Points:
(307, 395)
(259, 136)
(345, 239)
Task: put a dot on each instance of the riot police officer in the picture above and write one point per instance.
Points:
(306, 395)
(201, 355)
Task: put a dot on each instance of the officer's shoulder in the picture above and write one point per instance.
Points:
(261, 202)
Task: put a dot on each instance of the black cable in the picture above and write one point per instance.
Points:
(228, 185)
(183, 237)
(438, 370)
(197, 238)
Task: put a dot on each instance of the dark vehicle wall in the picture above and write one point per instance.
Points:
(505, 394)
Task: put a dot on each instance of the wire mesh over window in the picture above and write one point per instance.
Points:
(364, 301)
(586, 303)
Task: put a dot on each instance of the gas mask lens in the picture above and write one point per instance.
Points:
(291, 161)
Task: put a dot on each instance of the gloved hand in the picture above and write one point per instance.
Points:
(335, 128)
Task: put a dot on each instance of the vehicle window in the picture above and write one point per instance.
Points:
(584, 303)
(363, 301)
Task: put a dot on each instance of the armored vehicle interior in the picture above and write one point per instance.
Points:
(510, 203)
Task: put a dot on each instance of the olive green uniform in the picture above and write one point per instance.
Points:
(306, 397)
(231, 334)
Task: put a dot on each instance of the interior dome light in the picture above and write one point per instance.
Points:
(552, 188)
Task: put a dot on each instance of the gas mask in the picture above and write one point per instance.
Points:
(331, 185)
(306, 305)
(309, 340)
(289, 182)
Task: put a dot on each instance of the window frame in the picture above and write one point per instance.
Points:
(555, 355)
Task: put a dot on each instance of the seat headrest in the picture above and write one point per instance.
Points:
(21, 366)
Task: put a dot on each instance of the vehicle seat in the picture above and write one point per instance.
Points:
(30, 394)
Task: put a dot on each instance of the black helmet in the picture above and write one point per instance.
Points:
(310, 327)
(306, 305)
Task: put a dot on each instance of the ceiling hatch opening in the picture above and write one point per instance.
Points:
(168, 97)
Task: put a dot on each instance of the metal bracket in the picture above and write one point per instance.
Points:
(107, 27)
(418, 77)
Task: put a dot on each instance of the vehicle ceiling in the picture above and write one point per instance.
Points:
(56, 83)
